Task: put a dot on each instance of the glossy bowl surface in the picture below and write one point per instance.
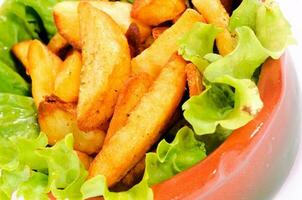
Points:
(256, 159)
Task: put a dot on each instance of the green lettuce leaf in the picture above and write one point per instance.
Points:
(11, 180)
(245, 15)
(272, 29)
(268, 23)
(28, 154)
(63, 164)
(34, 188)
(23, 20)
(97, 187)
(8, 154)
(12, 82)
(243, 61)
(195, 44)
(228, 102)
(17, 116)
(73, 190)
(33, 170)
(170, 159)
(213, 141)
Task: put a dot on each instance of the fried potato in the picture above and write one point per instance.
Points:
(57, 43)
(133, 177)
(133, 38)
(57, 119)
(128, 98)
(154, 12)
(44, 66)
(130, 143)
(67, 83)
(106, 66)
(157, 31)
(85, 159)
(67, 19)
(152, 59)
(194, 80)
(20, 50)
(215, 13)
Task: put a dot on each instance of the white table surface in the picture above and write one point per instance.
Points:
(292, 188)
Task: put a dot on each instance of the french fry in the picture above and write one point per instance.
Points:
(106, 66)
(57, 43)
(215, 13)
(157, 31)
(132, 177)
(67, 82)
(44, 66)
(194, 80)
(20, 50)
(57, 119)
(133, 38)
(154, 12)
(152, 59)
(128, 98)
(85, 159)
(143, 126)
(67, 19)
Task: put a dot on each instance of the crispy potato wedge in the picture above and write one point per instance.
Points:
(194, 80)
(143, 126)
(133, 177)
(67, 19)
(20, 50)
(57, 119)
(85, 159)
(67, 83)
(154, 12)
(152, 59)
(133, 38)
(157, 31)
(57, 43)
(215, 13)
(44, 66)
(106, 66)
(128, 98)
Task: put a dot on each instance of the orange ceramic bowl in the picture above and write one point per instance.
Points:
(255, 160)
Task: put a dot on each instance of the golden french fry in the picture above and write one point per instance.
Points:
(57, 119)
(20, 50)
(128, 98)
(106, 66)
(67, 19)
(132, 177)
(44, 66)
(157, 31)
(143, 126)
(57, 43)
(85, 159)
(154, 12)
(194, 80)
(214, 13)
(152, 59)
(67, 83)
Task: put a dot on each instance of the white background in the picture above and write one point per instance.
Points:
(292, 188)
